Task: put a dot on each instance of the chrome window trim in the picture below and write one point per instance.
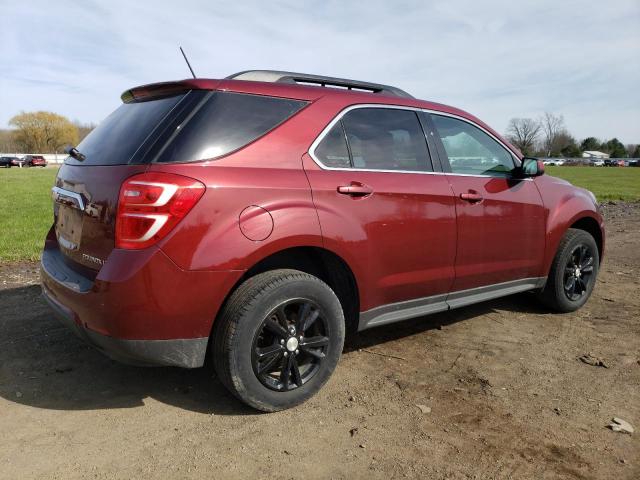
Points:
(342, 113)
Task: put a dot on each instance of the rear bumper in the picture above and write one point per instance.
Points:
(140, 309)
(186, 353)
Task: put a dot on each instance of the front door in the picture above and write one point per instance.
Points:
(500, 219)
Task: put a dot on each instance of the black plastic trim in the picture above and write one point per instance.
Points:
(430, 133)
(396, 312)
(54, 265)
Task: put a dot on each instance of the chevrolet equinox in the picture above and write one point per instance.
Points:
(259, 218)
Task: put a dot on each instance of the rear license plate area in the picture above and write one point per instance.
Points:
(69, 227)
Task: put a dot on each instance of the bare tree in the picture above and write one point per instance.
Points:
(552, 125)
(523, 132)
(8, 143)
(84, 129)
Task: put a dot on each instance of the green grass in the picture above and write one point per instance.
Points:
(26, 213)
(607, 183)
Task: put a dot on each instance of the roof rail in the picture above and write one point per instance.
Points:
(317, 80)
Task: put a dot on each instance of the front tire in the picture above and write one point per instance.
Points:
(278, 339)
(573, 272)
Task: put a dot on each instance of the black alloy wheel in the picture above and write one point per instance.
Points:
(578, 272)
(290, 345)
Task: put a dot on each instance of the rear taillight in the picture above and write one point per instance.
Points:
(151, 204)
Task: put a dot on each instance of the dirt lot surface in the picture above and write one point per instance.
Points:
(503, 391)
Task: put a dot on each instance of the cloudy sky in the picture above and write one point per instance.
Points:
(496, 59)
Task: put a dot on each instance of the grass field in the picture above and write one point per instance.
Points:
(607, 183)
(26, 213)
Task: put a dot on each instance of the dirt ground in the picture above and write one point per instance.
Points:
(507, 393)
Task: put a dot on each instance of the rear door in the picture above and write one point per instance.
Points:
(500, 218)
(381, 206)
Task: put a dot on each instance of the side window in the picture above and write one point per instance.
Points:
(386, 139)
(470, 150)
(332, 150)
(227, 122)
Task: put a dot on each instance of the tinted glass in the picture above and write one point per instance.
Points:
(332, 150)
(226, 122)
(470, 150)
(386, 139)
(117, 138)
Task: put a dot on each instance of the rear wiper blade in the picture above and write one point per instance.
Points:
(75, 153)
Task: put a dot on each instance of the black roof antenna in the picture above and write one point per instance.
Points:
(188, 64)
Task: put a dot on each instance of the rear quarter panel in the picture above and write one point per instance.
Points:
(267, 173)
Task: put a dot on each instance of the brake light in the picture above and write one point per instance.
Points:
(151, 204)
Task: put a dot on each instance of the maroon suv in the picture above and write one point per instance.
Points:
(34, 161)
(259, 218)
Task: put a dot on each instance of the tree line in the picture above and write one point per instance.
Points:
(548, 136)
(41, 132)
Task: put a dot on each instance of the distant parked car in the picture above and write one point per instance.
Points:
(34, 161)
(598, 162)
(8, 162)
(619, 163)
(552, 162)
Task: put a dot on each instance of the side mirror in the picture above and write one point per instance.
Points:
(531, 167)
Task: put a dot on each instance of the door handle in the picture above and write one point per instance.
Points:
(355, 189)
(471, 197)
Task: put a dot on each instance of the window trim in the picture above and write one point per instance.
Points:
(339, 117)
(443, 162)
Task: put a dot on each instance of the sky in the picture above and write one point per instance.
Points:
(495, 59)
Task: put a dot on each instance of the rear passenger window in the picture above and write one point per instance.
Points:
(332, 150)
(227, 122)
(470, 150)
(386, 139)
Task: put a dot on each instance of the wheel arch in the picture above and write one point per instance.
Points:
(592, 227)
(573, 211)
(318, 261)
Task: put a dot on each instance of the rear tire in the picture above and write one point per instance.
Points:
(278, 339)
(573, 272)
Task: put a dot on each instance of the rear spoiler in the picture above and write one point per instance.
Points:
(165, 89)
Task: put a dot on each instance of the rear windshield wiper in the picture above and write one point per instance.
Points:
(75, 153)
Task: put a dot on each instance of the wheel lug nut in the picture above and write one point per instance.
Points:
(286, 354)
(281, 342)
(301, 337)
(297, 352)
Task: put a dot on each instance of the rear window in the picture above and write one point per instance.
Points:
(226, 122)
(118, 137)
